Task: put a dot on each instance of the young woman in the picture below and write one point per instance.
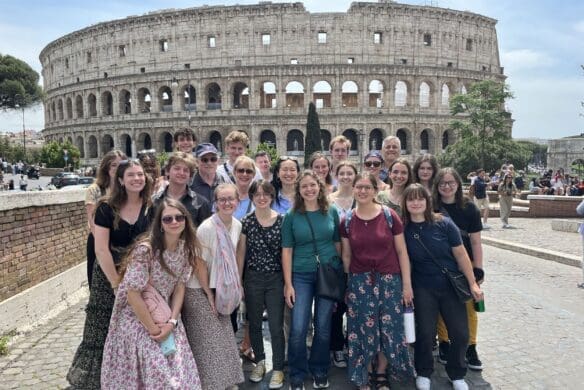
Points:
(259, 252)
(286, 171)
(425, 170)
(375, 255)
(119, 219)
(163, 259)
(311, 213)
(431, 237)
(449, 200)
(373, 163)
(106, 174)
(322, 167)
(244, 170)
(400, 176)
(210, 333)
(506, 191)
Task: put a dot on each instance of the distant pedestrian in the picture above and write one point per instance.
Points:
(580, 211)
(23, 183)
(481, 198)
(506, 191)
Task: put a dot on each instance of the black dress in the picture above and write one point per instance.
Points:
(85, 371)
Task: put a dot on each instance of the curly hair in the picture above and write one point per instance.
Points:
(323, 204)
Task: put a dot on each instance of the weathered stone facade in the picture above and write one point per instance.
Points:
(380, 69)
(567, 153)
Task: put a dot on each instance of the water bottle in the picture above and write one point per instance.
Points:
(409, 324)
(479, 306)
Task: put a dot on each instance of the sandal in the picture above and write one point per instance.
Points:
(379, 381)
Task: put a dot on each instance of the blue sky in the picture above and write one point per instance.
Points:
(541, 46)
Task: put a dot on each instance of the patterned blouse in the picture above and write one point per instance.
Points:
(263, 244)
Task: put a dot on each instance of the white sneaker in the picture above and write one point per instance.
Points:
(277, 380)
(459, 384)
(258, 372)
(423, 383)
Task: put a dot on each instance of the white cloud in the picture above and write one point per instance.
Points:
(522, 59)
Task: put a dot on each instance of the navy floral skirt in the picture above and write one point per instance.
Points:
(375, 324)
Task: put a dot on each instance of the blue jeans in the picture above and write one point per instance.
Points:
(304, 284)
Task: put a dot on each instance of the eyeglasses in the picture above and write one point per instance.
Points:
(363, 188)
(167, 219)
(246, 171)
(205, 160)
(226, 200)
(444, 184)
(370, 164)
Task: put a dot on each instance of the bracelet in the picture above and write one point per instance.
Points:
(173, 322)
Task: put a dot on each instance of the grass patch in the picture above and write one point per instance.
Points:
(4, 340)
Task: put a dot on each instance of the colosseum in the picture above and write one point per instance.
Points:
(379, 69)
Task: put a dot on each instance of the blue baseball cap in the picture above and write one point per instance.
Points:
(205, 148)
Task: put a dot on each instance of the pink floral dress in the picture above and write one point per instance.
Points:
(131, 359)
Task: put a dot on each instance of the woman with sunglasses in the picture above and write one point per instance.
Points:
(432, 238)
(163, 259)
(425, 170)
(449, 200)
(506, 191)
(106, 174)
(286, 171)
(400, 176)
(210, 333)
(260, 266)
(120, 217)
(310, 217)
(373, 163)
(244, 170)
(375, 255)
(322, 167)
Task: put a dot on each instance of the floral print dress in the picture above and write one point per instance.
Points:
(131, 359)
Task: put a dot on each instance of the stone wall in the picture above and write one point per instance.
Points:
(41, 235)
(543, 206)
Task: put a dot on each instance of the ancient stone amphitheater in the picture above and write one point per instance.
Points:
(379, 69)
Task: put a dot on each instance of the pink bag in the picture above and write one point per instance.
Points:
(157, 306)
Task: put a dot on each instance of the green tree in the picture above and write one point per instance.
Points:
(19, 84)
(269, 149)
(313, 139)
(53, 156)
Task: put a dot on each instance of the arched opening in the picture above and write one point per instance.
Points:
(321, 94)
(126, 144)
(144, 100)
(125, 102)
(350, 94)
(166, 142)
(107, 144)
(401, 94)
(165, 99)
(216, 139)
(403, 139)
(190, 98)
(375, 139)
(79, 107)
(107, 103)
(144, 141)
(92, 103)
(294, 95)
(92, 146)
(60, 109)
(268, 95)
(445, 140)
(53, 111)
(376, 94)
(325, 137)
(70, 140)
(80, 146)
(240, 95)
(425, 141)
(351, 134)
(424, 95)
(213, 97)
(268, 137)
(445, 95)
(69, 108)
(295, 142)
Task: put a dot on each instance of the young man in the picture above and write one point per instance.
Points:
(339, 149)
(262, 161)
(391, 150)
(206, 179)
(480, 195)
(179, 169)
(236, 144)
(185, 140)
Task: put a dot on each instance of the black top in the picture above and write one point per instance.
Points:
(121, 238)
(198, 207)
(203, 189)
(468, 220)
(480, 188)
(263, 244)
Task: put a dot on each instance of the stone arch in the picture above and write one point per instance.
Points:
(70, 139)
(144, 100)
(125, 99)
(69, 108)
(577, 167)
(375, 139)
(268, 137)
(268, 95)
(404, 136)
(401, 94)
(321, 94)
(80, 145)
(376, 89)
(107, 143)
(325, 137)
(350, 94)
(92, 146)
(107, 103)
(295, 94)
(295, 142)
(425, 95)
(60, 140)
(78, 107)
(213, 96)
(445, 139)
(189, 94)
(60, 109)
(216, 139)
(144, 141)
(165, 99)
(445, 95)
(166, 141)
(426, 141)
(352, 136)
(126, 144)
(240, 95)
(92, 103)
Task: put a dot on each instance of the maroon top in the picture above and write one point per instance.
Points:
(372, 245)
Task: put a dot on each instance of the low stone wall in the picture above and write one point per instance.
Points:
(41, 235)
(553, 206)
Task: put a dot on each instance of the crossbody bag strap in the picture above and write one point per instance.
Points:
(442, 268)
(313, 238)
(228, 173)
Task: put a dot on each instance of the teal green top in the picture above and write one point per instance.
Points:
(296, 235)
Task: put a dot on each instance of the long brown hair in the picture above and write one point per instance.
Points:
(154, 239)
(371, 178)
(430, 159)
(418, 191)
(406, 163)
(102, 177)
(459, 197)
(323, 204)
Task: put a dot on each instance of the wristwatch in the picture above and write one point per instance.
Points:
(173, 322)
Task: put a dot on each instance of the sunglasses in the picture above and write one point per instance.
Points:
(286, 158)
(167, 219)
(146, 151)
(205, 160)
(130, 160)
(370, 164)
(244, 170)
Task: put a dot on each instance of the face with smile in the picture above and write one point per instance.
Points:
(309, 189)
(134, 179)
(346, 176)
(244, 174)
(234, 150)
(364, 191)
(169, 222)
(263, 163)
(288, 172)
(262, 200)
(179, 174)
(416, 206)
(391, 151)
(208, 164)
(398, 175)
(447, 188)
(425, 171)
(226, 200)
(321, 168)
(185, 144)
(373, 166)
(339, 152)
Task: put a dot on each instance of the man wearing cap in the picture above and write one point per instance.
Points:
(206, 179)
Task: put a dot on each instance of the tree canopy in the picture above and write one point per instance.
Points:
(313, 140)
(52, 154)
(19, 84)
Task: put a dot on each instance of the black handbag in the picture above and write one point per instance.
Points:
(456, 278)
(330, 276)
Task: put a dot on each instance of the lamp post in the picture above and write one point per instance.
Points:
(175, 85)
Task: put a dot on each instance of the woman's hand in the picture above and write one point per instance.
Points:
(289, 295)
(476, 292)
(408, 295)
(165, 330)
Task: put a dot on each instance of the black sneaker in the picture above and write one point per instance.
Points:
(320, 382)
(472, 358)
(443, 350)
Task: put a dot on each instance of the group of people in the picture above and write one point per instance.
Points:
(170, 257)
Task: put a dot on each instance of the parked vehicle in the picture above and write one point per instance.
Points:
(67, 180)
(33, 173)
(57, 178)
(86, 180)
